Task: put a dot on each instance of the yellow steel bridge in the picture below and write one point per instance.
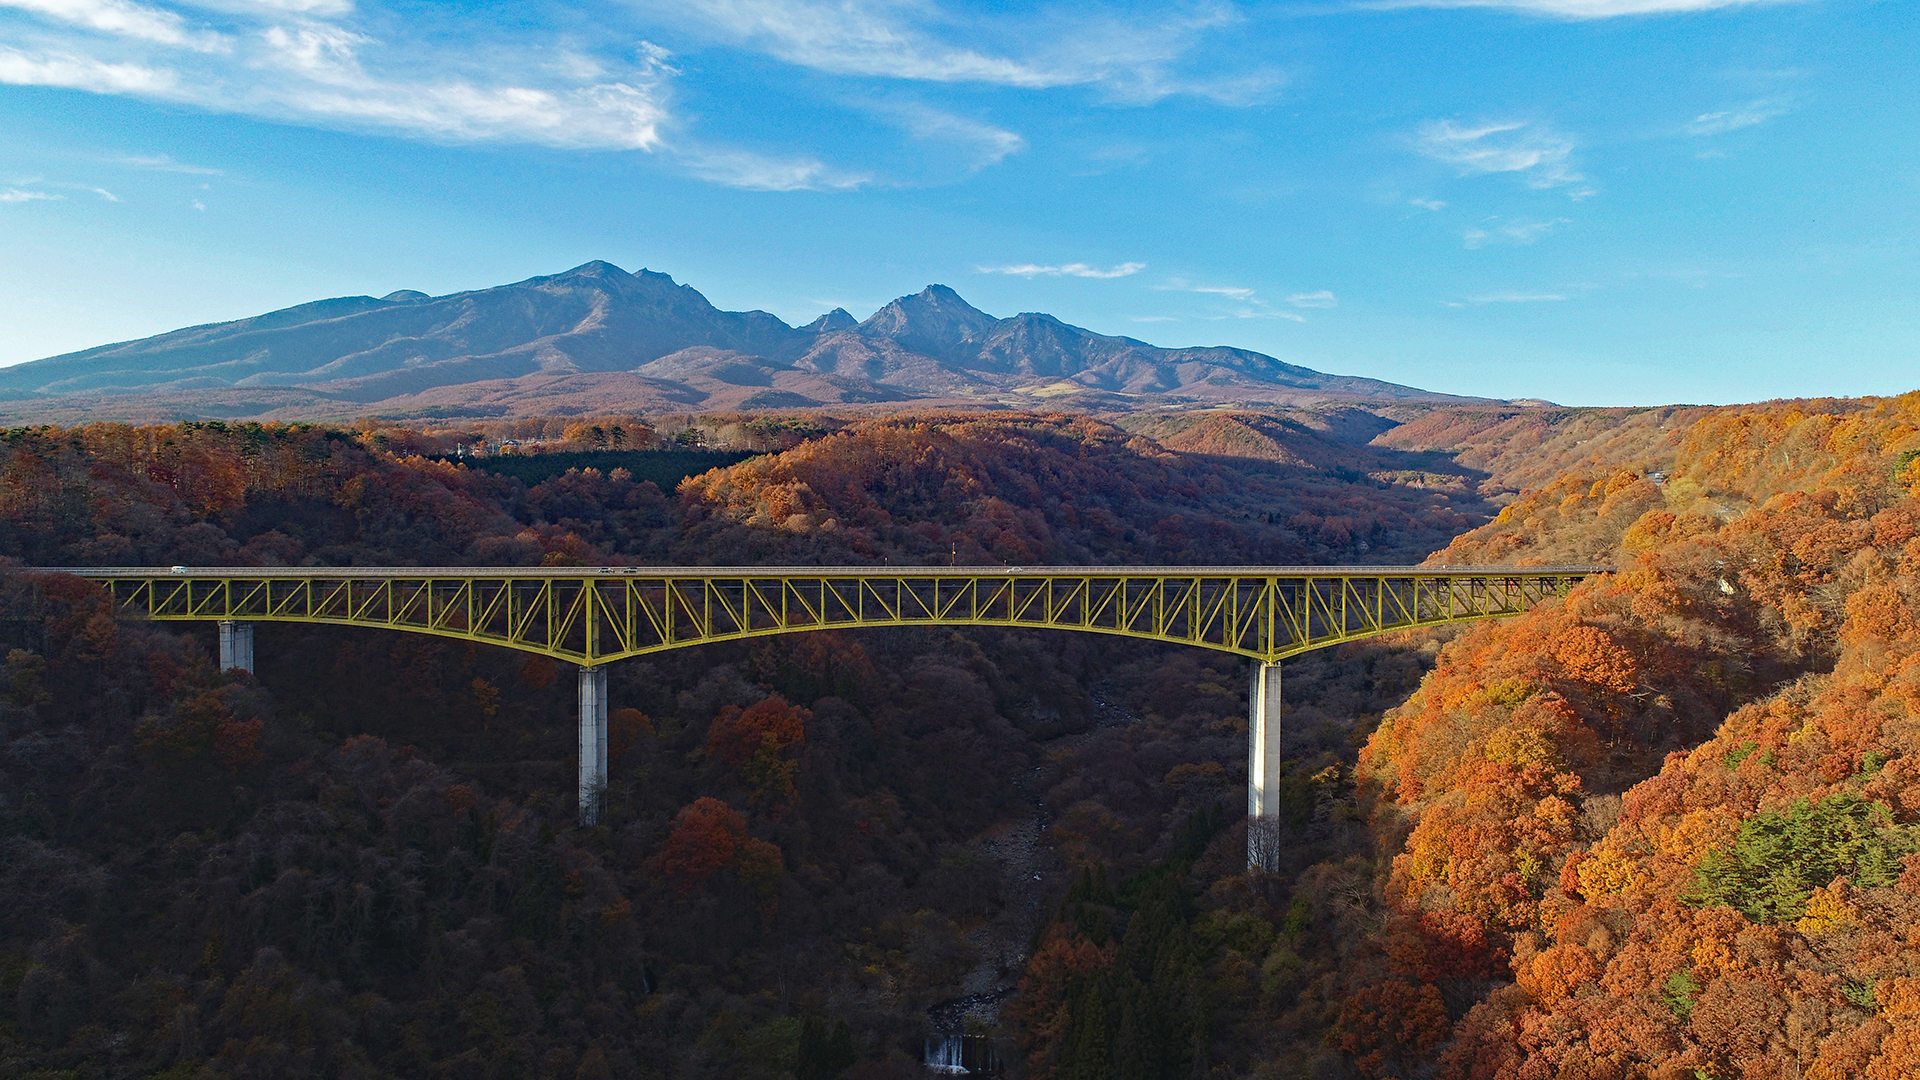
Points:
(594, 615)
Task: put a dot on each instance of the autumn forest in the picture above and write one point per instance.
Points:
(1666, 827)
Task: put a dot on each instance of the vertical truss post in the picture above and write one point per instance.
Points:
(1263, 767)
(593, 742)
(236, 646)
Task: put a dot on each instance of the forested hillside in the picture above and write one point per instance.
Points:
(1747, 908)
(363, 861)
(1746, 911)
(1668, 826)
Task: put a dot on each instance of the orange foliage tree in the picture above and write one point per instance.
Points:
(705, 836)
(1389, 1027)
(1739, 917)
(759, 742)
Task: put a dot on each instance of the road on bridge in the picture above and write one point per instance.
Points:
(591, 616)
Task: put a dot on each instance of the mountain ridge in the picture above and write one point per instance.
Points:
(651, 343)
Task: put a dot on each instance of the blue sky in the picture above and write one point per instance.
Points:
(1590, 201)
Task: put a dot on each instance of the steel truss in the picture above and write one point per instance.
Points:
(591, 616)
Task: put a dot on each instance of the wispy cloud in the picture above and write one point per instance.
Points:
(314, 8)
(1322, 299)
(124, 19)
(328, 81)
(1532, 151)
(1428, 204)
(1132, 58)
(1578, 9)
(1135, 59)
(759, 172)
(1512, 232)
(105, 194)
(1515, 298)
(19, 195)
(982, 143)
(1245, 304)
(362, 67)
(1716, 123)
(283, 60)
(1081, 270)
(1231, 292)
(588, 81)
(73, 72)
(853, 37)
(163, 163)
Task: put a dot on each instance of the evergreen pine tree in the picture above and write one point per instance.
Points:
(1091, 1058)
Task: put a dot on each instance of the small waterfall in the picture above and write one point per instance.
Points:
(951, 1050)
(962, 1055)
(947, 1054)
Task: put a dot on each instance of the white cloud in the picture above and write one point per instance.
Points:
(1537, 154)
(319, 50)
(1321, 299)
(612, 116)
(1245, 304)
(105, 194)
(1579, 9)
(1716, 123)
(1130, 58)
(1514, 298)
(1081, 270)
(18, 68)
(852, 37)
(1133, 59)
(308, 71)
(1512, 232)
(757, 172)
(163, 163)
(17, 195)
(198, 205)
(311, 8)
(328, 81)
(124, 19)
(579, 79)
(1428, 204)
(986, 145)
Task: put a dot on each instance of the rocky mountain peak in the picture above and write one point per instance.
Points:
(832, 322)
(935, 321)
(600, 268)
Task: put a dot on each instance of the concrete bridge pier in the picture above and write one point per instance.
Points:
(236, 646)
(593, 742)
(1263, 768)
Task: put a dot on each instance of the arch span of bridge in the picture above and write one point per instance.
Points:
(592, 616)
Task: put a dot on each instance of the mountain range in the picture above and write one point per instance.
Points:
(597, 338)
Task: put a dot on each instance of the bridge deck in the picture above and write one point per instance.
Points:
(591, 615)
(596, 572)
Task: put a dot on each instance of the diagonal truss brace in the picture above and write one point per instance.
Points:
(592, 616)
